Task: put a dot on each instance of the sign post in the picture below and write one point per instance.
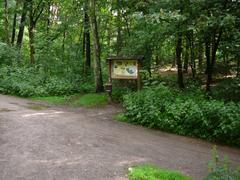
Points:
(125, 68)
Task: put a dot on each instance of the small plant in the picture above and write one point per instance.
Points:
(220, 169)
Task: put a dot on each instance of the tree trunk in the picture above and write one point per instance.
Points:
(14, 24)
(158, 60)
(200, 57)
(31, 44)
(179, 62)
(174, 60)
(209, 67)
(63, 42)
(186, 57)
(86, 40)
(109, 37)
(31, 28)
(6, 22)
(119, 28)
(211, 56)
(192, 48)
(238, 68)
(22, 25)
(49, 16)
(88, 51)
(97, 60)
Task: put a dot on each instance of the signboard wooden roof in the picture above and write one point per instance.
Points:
(125, 58)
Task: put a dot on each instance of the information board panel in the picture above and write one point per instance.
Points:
(124, 69)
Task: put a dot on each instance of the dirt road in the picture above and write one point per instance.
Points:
(65, 144)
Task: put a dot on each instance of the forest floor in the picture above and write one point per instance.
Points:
(39, 141)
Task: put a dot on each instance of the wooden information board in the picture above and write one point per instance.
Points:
(124, 68)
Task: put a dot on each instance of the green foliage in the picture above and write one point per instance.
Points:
(8, 55)
(220, 169)
(120, 117)
(34, 81)
(184, 113)
(228, 89)
(150, 172)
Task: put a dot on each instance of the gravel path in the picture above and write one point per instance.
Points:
(68, 144)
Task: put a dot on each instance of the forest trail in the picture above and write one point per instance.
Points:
(43, 142)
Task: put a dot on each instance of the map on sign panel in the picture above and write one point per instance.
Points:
(125, 69)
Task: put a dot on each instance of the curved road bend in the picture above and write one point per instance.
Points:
(72, 144)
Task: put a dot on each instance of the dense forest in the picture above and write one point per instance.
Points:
(190, 72)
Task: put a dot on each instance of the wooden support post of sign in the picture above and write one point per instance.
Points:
(109, 85)
(139, 78)
(110, 71)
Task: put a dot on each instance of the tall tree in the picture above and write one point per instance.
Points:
(97, 51)
(35, 11)
(86, 39)
(213, 35)
(14, 23)
(22, 24)
(119, 27)
(6, 22)
(179, 50)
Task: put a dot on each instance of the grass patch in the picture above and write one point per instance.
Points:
(150, 172)
(91, 100)
(58, 100)
(77, 100)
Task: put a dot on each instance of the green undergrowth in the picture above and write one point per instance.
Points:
(77, 100)
(37, 82)
(150, 172)
(188, 113)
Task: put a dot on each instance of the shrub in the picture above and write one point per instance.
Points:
(33, 81)
(184, 113)
(7, 54)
